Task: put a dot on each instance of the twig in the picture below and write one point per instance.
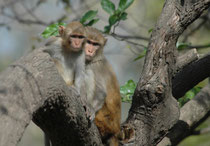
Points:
(128, 41)
(132, 37)
(198, 46)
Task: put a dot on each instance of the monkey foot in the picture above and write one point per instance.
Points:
(127, 134)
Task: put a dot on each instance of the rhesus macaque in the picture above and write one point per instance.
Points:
(108, 110)
(68, 55)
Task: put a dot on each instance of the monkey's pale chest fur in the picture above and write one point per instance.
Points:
(69, 66)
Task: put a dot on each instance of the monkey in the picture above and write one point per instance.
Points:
(108, 108)
(68, 55)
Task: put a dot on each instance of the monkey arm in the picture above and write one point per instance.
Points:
(99, 96)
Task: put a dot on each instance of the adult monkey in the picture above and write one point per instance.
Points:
(108, 110)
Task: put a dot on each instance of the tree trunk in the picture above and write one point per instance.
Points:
(154, 110)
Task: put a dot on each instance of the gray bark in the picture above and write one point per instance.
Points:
(154, 110)
(32, 88)
(192, 114)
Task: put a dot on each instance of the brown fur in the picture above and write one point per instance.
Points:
(74, 27)
(69, 63)
(108, 117)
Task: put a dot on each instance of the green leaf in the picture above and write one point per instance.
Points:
(93, 21)
(113, 19)
(150, 30)
(124, 4)
(108, 6)
(123, 16)
(181, 46)
(196, 90)
(88, 16)
(127, 91)
(52, 30)
(107, 29)
(143, 53)
(190, 94)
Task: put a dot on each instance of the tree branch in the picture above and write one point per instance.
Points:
(32, 88)
(154, 110)
(130, 37)
(192, 114)
(190, 76)
(186, 59)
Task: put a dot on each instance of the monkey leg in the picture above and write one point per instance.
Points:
(113, 141)
(109, 126)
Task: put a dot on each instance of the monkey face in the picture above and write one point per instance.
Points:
(76, 42)
(91, 48)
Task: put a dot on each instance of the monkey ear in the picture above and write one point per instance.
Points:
(61, 30)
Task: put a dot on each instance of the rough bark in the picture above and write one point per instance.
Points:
(154, 110)
(191, 115)
(32, 88)
(186, 59)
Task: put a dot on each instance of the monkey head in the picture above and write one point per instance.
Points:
(94, 43)
(73, 36)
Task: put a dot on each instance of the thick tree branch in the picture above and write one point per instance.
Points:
(154, 110)
(32, 88)
(190, 76)
(185, 59)
(192, 114)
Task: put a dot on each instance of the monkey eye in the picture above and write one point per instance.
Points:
(81, 37)
(77, 36)
(96, 44)
(93, 43)
(89, 42)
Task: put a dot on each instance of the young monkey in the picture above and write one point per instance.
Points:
(67, 53)
(108, 108)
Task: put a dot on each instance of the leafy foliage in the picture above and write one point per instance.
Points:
(108, 6)
(124, 4)
(115, 15)
(189, 95)
(127, 91)
(88, 18)
(52, 30)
